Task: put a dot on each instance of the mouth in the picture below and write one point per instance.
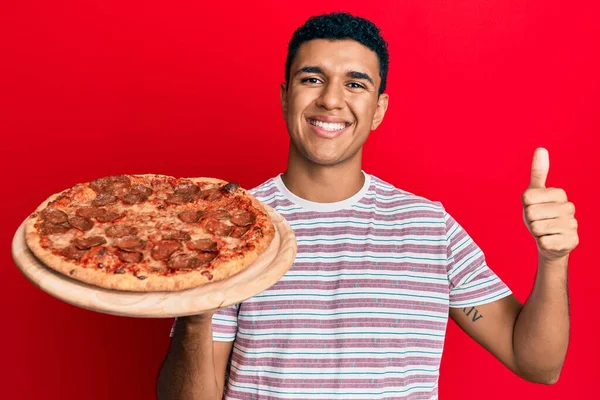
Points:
(328, 128)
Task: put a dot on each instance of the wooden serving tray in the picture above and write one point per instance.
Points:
(262, 274)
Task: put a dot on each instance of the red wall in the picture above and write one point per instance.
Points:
(101, 87)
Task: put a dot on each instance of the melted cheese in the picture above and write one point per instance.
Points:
(153, 218)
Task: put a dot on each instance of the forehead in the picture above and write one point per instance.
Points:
(337, 56)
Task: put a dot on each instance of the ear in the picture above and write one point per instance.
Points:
(382, 105)
(283, 97)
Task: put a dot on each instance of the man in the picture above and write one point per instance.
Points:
(362, 313)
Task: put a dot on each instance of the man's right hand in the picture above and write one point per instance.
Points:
(195, 365)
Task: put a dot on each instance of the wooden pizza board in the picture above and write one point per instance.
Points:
(256, 278)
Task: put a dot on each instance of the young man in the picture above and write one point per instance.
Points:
(362, 313)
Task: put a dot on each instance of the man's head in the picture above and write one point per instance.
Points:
(336, 73)
(340, 26)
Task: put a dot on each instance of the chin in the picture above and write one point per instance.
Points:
(326, 163)
(315, 155)
(324, 160)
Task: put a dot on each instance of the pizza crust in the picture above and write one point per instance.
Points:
(181, 280)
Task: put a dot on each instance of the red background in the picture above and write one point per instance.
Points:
(102, 87)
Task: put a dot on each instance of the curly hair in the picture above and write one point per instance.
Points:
(339, 26)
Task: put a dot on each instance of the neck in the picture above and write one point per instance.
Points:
(323, 183)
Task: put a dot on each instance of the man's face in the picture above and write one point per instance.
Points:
(331, 103)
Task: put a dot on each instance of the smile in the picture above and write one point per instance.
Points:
(329, 129)
(329, 126)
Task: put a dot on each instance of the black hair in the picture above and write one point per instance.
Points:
(340, 26)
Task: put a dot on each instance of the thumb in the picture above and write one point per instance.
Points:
(539, 168)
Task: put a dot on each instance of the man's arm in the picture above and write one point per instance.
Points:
(531, 340)
(195, 366)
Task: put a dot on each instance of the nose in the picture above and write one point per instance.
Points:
(332, 96)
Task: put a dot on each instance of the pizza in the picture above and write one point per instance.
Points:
(150, 232)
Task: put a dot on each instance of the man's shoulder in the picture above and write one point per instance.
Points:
(385, 192)
(265, 189)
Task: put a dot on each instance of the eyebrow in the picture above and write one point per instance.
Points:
(311, 69)
(360, 75)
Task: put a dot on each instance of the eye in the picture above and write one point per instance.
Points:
(356, 85)
(311, 80)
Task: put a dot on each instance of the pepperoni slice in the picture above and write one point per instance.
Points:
(117, 231)
(204, 245)
(231, 187)
(163, 249)
(186, 188)
(137, 194)
(218, 228)
(72, 253)
(211, 194)
(90, 212)
(133, 197)
(239, 231)
(143, 189)
(104, 199)
(129, 256)
(190, 216)
(99, 185)
(183, 261)
(48, 228)
(206, 258)
(116, 185)
(88, 243)
(129, 243)
(101, 214)
(81, 223)
(176, 235)
(244, 218)
(54, 216)
(179, 198)
(108, 216)
(220, 214)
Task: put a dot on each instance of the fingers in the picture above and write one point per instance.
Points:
(559, 244)
(536, 212)
(555, 226)
(539, 195)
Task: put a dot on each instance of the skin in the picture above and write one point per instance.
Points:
(323, 169)
(530, 339)
(195, 365)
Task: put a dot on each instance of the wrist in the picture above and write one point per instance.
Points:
(196, 322)
(553, 270)
(559, 263)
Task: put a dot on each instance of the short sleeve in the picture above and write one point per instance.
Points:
(224, 324)
(472, 282)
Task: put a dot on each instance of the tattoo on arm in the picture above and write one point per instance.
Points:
(473, 313)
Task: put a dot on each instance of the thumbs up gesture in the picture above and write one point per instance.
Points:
(547, 212)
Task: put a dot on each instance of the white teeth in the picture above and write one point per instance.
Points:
(327, 125)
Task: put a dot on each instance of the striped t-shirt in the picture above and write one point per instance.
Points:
(362, 313)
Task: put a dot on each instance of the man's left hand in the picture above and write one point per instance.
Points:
(548, 214)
